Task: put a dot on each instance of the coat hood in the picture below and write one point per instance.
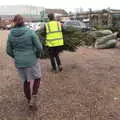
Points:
(19, 31)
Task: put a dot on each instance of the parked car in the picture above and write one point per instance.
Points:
(76, 24)
(34, 26)
(3, 27)
(9, 26)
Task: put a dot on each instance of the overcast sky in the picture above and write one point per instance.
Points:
(67, 4)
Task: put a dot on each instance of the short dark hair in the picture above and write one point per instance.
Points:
(18, 19)
(51, 16)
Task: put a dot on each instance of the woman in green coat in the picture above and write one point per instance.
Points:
(24, 47)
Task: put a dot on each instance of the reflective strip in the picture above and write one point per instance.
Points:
(54, 39)
(53, 32)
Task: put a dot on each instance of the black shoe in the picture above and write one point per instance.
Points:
(55, 71)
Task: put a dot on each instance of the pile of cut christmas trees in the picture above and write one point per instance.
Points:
(74, 39)
(104, 39)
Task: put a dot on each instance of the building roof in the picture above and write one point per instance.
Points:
(113, 11)
(58, 11)
(20, 9)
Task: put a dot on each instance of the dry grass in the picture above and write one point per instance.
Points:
(87, 89)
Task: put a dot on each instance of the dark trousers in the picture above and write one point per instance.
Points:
(27, 90)
(54, 57)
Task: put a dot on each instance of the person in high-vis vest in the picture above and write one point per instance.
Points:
(54, 41)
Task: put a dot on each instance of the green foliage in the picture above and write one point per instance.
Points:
(114, 29)
(73, 38)
(97, 27)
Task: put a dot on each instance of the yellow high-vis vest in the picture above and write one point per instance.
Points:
(54, 36)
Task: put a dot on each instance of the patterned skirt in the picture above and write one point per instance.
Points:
(30, 73)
